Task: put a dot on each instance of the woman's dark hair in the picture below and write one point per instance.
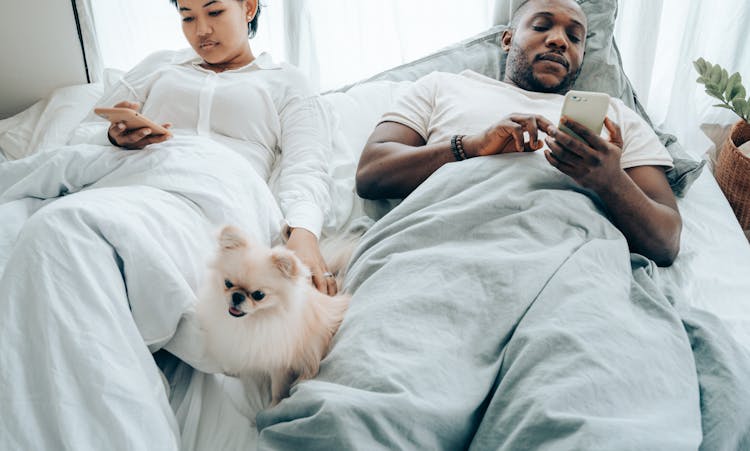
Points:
(252, 27)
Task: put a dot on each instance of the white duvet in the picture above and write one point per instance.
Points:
(115, 242)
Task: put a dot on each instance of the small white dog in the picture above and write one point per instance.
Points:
(261, 314)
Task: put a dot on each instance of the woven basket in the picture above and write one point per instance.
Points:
(733, 173)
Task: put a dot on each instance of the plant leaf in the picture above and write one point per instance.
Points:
(723, 81)
(715, 94)
(740, 107)
(740, 94)
(697, 66)
(702, 67)
(715, 75)
(733, 86)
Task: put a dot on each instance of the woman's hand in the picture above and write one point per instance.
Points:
(133, 139)
(593, 164)
(305, 244)
(508, 136)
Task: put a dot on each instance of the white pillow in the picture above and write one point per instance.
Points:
(354, 115)
(49, 123)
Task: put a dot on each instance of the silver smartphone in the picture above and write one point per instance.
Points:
(587, 108)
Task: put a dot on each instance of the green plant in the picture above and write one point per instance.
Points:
(728, 89)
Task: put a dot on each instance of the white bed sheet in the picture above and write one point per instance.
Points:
(711, 272)
(713, 268)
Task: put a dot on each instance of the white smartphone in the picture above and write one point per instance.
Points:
(587, 108)
(131, 118)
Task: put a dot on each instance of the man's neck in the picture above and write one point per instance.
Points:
(508, 80)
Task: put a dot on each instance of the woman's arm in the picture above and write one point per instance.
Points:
(130, 90)
(304, 181)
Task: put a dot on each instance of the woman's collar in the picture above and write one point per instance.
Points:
(264, 61)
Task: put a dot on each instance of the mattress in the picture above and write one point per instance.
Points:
(212, 411)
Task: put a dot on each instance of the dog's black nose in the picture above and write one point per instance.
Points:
(237, 299)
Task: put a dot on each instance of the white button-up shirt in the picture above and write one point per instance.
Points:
(263, 110)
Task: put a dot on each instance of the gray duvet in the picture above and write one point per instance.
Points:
(498, 308)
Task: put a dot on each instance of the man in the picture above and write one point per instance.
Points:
(496, 307)
(545, 46)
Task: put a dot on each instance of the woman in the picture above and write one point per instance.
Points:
(217, 31)
(106, 269)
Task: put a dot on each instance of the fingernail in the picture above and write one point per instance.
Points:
(121, 126)
(146, 132)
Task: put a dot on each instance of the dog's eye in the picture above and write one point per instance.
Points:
(228, 284)
(258, 295)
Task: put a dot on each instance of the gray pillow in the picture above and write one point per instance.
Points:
(602, 71)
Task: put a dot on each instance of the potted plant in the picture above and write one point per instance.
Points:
(733, 166)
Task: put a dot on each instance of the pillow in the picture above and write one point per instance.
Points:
(356, 112)
(49, 123)
(602, 71)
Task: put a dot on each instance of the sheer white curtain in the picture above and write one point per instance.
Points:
(123, 32)
(659, 40)
(335, 42)
(347, 40)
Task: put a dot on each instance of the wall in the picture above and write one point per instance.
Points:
(39, 50)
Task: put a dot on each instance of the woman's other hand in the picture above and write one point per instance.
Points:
(135, 138)
(305, 244)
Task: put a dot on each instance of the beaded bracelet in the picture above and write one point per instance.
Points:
(457, 147)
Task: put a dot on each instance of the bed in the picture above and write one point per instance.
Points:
(707, 289)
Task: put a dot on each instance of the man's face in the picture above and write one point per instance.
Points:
(545, 50)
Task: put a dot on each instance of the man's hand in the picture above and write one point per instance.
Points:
(639, 200)
(305, 244)
(133, 139)
(595, 163)
(508, 136)
(396, 158)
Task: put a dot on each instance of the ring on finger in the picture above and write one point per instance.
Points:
(327, 275)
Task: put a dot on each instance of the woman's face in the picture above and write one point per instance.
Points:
(217, 29)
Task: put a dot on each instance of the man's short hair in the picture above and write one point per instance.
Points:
(521, 9)
(518, 13)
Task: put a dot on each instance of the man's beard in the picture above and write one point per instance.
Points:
(522, 73)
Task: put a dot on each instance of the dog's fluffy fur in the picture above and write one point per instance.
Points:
(261, 314)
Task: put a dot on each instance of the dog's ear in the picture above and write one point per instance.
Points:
(232, 238)
(285, 261)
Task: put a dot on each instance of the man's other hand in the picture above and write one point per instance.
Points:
(595, 163)
(508, 136)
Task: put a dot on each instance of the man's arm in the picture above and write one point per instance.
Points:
(396, 159)
(639, 200)
(644, 208)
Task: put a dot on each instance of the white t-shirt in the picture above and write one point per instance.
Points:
(263, 110)
(441, 105)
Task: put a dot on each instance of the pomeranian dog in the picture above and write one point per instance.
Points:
(262, 315)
